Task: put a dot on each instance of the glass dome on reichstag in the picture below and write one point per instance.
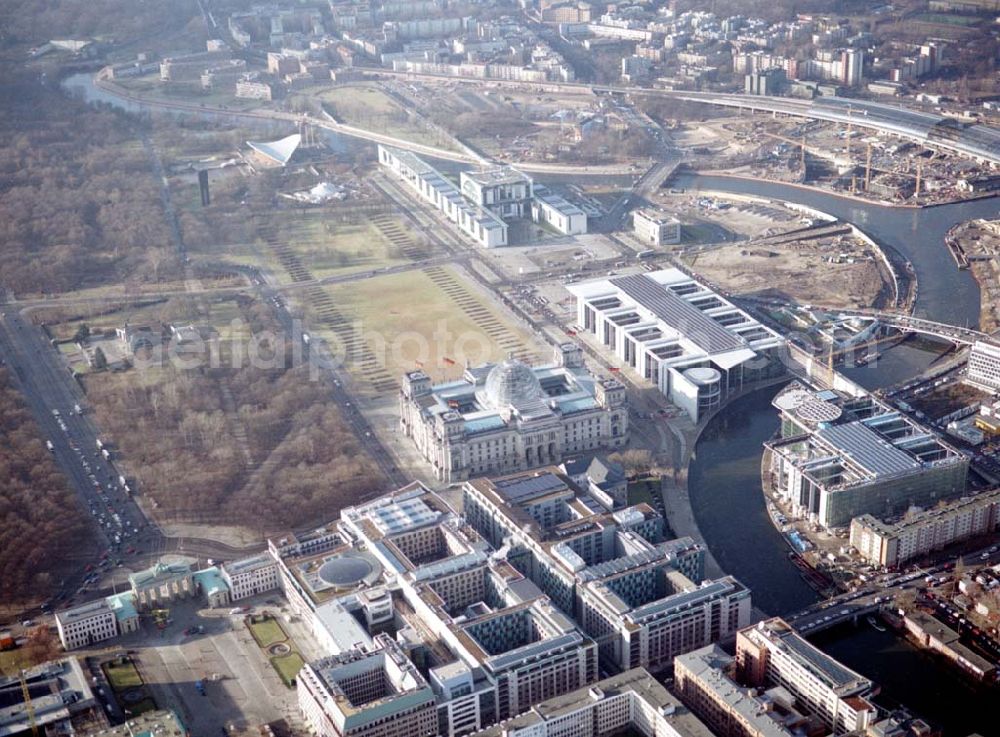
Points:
(512, 383)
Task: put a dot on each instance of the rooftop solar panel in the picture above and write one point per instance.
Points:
(679, 314)
(524, 488)
(834, 673)
(867, 448)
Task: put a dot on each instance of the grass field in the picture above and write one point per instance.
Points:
(434, 317)
(267, 632)
(326, 248)
(153, 88)
(122, 676)
(288, 666)
(642, 492)
(12, 661)
(948, 19)
(310, 244)
(368, 107)
(139, 707)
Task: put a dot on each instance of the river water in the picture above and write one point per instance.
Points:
(724, 482)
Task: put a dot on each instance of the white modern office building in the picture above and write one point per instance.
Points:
(251, 576)
(509, 416)
(557, 212)
(502, 190)
(984, 366)
(478, 223)
(688, 341)
(840, 456)
(86, 624)
(486, 200)
(656, 228)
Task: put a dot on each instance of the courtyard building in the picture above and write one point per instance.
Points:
(506, 417)
(374, 692)
(842, 456)
(632, 703)
(691, 343)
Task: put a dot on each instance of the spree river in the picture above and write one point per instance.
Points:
(724, 482)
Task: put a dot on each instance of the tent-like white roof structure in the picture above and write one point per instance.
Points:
(279, 151)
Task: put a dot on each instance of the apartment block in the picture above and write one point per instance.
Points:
(890, 545)
(772, 654)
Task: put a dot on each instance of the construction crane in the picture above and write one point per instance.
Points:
(800, 144)
(850, 130)
(868, 168)
(28, 705)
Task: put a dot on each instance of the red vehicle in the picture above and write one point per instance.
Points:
(89, 568)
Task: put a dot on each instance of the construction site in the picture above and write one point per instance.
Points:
(975, 246)
(843, 159)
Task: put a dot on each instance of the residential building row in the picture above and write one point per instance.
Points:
(936, 635)
(891, 545)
